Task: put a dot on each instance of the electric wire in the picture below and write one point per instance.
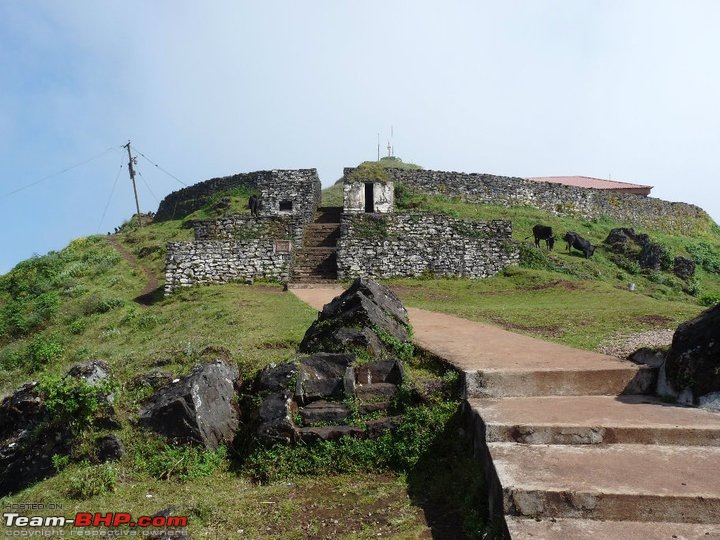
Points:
(148, 187)
(58, 173)
(112, 191)
(159, 167)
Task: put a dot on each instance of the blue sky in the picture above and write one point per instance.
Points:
(532, 88)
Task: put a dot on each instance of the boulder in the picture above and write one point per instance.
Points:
(684, 268)
(275, 423)
(654, 257)
(109, 448)
(692, 367)
(356, 321)
(275, 378)
(199, 408)
(625, 241)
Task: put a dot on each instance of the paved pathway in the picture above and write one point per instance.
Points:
(572, 444)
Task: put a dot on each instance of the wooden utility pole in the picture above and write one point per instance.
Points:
(131, 170)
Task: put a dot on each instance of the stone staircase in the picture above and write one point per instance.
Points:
(316, 261)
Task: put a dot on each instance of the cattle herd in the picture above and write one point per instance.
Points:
(573, 239)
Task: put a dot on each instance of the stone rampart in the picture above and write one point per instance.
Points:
(388, 245)
(627, 208)
(299, 187)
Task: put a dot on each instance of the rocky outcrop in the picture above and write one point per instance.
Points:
(365, 318)
(199, 408)
(683, 267)
(29, 434)
(626, 244)
(692, 367)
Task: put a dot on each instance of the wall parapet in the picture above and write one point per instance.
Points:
(390, 245)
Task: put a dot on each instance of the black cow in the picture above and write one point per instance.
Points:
(254, 205)
(574, 240)
(543, 232)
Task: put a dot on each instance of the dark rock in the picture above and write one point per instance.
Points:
(324, 412)
(26, 458)
(647, 357)
(376, 428)
(148, 250)
(275, 419)
(625, 241)
(387, 371)
(355, 320)
(329, 433)
(275, 378)
(684, 268)
(109, 448)
(325, 375)
(93, 371)
(199, 408)
(375, 391)
(654, 257)
(693, 362)
(375, 406)
(381, 296)
(21, 410)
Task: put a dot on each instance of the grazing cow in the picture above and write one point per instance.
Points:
(254, 205)
(543, 232)
(574, 240)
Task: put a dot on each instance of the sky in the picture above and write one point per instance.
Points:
(625, 89)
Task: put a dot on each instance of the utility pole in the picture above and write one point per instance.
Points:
(131, 170)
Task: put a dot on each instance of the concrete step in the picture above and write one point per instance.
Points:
(570, 529)
(594, 420)
(621, 482)
(602, 378)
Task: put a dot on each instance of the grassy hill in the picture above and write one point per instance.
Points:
(82, 303)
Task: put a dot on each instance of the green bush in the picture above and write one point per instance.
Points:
(368, 171)
(164, 462)
(92, 481)
(96, 304)
(710, 299)
(43, 350)
(73, 401)
(705, 255)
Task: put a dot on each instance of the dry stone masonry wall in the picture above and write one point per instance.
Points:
(209, 262)
(390, 245)
(301, 187)
(243, 227)
(558, 199)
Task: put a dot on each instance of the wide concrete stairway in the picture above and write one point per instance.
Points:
(316, 261)
(572, 443)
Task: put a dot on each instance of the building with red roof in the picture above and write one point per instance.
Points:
(595, 183)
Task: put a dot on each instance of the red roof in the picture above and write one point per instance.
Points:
(588, 182)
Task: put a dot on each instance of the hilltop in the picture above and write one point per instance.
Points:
(84, 302)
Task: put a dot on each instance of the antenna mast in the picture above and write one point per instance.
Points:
(131, 169)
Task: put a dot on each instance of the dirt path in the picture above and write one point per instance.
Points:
(145, 298)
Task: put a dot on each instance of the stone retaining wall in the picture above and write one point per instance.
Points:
(223, 261)
(630, 209)
(388, 245)
(244, 227)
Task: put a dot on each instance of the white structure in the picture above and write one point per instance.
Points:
(368, 197)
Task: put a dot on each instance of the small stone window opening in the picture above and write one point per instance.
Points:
(286, 206)
(283, 246)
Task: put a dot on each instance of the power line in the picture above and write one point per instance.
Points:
(112, 191)
(159, 167)
(58, 173)
(148, 187)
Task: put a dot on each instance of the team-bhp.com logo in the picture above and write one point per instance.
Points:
(87, 519)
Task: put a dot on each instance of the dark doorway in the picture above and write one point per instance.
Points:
(285, 206)
(369, 198)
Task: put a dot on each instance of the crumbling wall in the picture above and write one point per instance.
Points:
(388, 245)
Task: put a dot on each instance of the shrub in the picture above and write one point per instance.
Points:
(710, 299)
(73, 401)
(92, 481)
(705, 255)
(368, 171)
(96, 304)
(43, 350)
(163, 461)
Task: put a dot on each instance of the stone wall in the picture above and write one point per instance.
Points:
(244, 227)
(630, 209)
(301, 186)
(223, 261)
(387, 245)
